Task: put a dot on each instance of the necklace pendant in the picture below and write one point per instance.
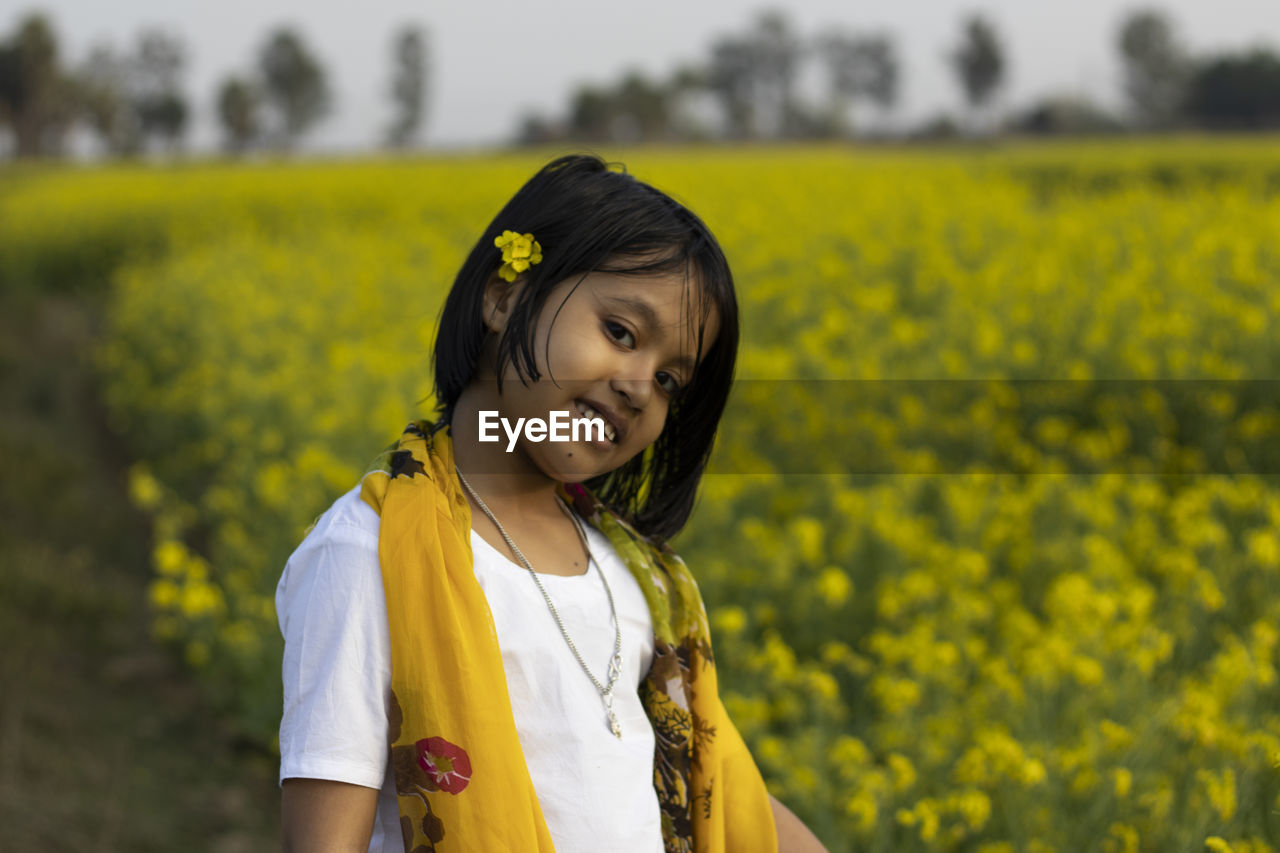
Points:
(613, 725)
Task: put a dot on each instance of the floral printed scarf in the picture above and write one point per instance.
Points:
(460, 773)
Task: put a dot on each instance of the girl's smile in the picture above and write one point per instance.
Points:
(592, 410)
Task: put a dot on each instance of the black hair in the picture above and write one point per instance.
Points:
(588, 217)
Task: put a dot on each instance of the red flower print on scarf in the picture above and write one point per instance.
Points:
(446, 764)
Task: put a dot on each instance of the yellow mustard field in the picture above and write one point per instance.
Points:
(991, 543)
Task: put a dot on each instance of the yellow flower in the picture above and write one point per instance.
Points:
(862, 807)
(730, 620)
(1123, 839)
(163, 593)
(519, 252)
(834, 586)
(144, 488)
(974, 806)
(201, 599)
(1221, 790)
(169, 557)
(1123, 779)
(1116, 736)
(824, 685)
(904, 772)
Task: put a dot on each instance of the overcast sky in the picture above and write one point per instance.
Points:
(495, 61)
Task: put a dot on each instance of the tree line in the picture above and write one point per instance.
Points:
(133, 101)
(765, 81)
(747, 86)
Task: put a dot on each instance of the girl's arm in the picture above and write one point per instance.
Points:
(336, 677)
(793, 835)
(319, 816)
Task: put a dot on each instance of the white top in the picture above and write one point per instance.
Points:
(596, 791)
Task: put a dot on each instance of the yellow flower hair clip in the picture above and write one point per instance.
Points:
(519, 252)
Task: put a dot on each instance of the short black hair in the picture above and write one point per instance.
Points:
(588, 217)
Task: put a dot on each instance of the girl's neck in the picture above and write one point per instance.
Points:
(519, 495)
(502, 479)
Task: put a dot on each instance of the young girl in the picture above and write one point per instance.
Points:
(488, 646)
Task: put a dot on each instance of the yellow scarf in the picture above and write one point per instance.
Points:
(460, 772)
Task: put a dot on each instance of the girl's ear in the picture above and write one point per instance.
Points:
(499, 298)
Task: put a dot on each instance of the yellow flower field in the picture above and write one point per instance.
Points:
(992, 539)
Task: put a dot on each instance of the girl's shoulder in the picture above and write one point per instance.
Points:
(349, 518)
(340, 547)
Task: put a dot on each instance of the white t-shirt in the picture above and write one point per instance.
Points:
(596, 791)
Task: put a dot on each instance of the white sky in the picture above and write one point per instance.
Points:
(493, 61)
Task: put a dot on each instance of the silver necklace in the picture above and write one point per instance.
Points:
(615, 662)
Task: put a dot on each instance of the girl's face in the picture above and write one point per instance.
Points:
(606, 345)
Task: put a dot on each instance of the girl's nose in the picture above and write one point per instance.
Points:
(636, 391)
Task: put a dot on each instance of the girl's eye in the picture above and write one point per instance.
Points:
(620, 333)
(668, 382)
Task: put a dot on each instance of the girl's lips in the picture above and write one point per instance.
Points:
(590, 409)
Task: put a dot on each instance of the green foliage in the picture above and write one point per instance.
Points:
(98, 722)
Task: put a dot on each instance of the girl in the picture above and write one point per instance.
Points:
(488, 646)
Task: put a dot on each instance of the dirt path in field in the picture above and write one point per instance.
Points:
(104, 742)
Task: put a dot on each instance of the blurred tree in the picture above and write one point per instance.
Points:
(1236, 91)
(859, 67)
(978, 62)
(128, 100)
(294, 86)
(1064, 114)
(688, 78)
(102, 86)
(408, 85)
(155, 88)
(238, 105)
(731, 79)
(644, 107)
(777, 57)
(37, 100)
(589, 114)
(753, 77)
(687, 90)
(636, 110)
(934, 128)
(538, 130)
(1155, 67)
